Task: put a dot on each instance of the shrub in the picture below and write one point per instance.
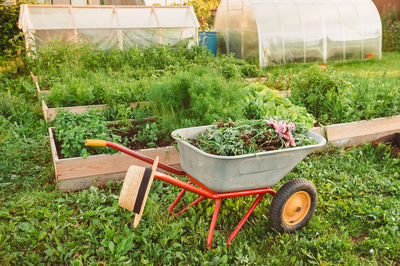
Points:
(196, 97)
(11, 39)
(324, 93)
(265, 103)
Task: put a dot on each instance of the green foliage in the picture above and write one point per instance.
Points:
(390, 31)
(265, 103)
(73, 129)
(196, 97)
(80, 75)
(202, 8)
(324, 93)
(11, 40)
(123, 111)
(245, 137)
(148, 132)
(96, 88)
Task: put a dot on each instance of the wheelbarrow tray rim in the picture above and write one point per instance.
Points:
(176, 134)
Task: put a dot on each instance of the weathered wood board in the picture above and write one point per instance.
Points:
(355, 133)
(39, 91)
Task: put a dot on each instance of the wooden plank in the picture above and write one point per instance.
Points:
(45, 110)
(38, 90)
(54, 153)
(111, 163)
(51, 113)
(355, 133)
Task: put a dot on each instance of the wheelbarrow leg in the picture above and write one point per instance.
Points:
(213, 222)
(244, 219)
(181, 194)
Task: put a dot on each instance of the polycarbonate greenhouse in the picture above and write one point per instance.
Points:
(108, 26)
(282, 31)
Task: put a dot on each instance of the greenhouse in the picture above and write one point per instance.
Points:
(282, 31)
(108, 26)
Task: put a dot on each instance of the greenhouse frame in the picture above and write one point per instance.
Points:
(108, 26)
(282, 31)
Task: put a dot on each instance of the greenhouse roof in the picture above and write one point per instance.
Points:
(55, 17)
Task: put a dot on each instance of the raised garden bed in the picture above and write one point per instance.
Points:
(40, 91)
(51, 113)
(78, 173)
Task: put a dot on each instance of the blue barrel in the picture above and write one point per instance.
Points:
(209, 39)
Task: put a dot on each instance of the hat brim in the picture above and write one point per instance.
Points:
(136, 188)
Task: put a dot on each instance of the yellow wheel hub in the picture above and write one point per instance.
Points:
(296, 208)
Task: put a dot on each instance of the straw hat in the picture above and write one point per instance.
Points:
(136, 188)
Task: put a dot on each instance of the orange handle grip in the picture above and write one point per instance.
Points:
(95, 142)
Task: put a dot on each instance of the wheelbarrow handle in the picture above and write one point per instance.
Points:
(95, 142)
(137, 155)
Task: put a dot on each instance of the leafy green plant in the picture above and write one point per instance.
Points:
(73, 129)
(197, 97)
(325, 94)
(11, 40)
(77, 74)
(264, 103)
(148, 133)
(125, 111)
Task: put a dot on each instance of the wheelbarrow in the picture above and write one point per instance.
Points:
(218, 177)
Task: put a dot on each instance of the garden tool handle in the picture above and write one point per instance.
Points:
(95, 142)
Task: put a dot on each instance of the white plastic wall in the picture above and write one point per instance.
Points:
(108, 26)
(281, 31)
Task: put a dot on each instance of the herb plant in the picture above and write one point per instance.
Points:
(73, 129)
(148, 133)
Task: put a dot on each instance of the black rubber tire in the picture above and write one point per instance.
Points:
(280, 199)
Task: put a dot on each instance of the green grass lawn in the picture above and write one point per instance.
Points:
(356, 221)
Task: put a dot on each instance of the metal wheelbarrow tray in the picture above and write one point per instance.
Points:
(242, 172)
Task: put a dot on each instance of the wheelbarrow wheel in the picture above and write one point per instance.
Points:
(293, 206)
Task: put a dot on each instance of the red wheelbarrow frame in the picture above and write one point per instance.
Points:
(202, 190)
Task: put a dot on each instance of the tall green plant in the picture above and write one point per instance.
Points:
(12, 47)
(10, 37)
(196, 97)
(325, 94)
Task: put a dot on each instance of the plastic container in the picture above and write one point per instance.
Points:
(209, 39)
